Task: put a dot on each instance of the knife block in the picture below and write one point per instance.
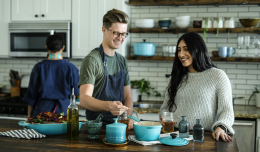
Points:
(16, 91)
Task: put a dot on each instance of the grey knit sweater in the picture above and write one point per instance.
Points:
(207, 96)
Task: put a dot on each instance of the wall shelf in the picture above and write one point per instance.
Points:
(190, 2)
(198, 30)
(227, 59)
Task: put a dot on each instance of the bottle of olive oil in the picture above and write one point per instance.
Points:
(72, 118)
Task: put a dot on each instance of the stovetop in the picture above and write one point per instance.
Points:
(13, 105)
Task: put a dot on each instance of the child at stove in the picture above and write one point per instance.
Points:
(51, 81)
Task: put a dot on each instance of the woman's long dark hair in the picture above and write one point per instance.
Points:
(201, 62)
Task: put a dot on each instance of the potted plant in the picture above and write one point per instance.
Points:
(257, 97)
(142, 86)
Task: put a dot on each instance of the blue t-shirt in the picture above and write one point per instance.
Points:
(50, 85)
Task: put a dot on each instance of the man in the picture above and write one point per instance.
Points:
(104, 79)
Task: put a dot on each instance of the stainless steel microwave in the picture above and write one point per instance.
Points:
(29, 39)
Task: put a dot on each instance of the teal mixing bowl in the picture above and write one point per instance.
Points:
(48, 129)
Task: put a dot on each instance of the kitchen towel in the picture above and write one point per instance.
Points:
(132, 138)
(26, 133)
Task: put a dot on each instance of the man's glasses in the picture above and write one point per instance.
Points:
(117, 34)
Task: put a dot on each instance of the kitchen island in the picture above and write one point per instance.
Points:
(61, 143)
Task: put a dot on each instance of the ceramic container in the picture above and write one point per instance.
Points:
(184, 127)
(249, 22)
(144, 23)
(164, 23)
(218, 22)
(144, 49)
(115, 132)
(206, 22)
(198, 132)
(147, 130)
(197, 24)
(229, 22)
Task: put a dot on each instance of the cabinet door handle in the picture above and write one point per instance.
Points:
(242, 124)
(36, 15)
(42, 15)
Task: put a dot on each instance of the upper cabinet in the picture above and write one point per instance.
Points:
(40, 10)
(190, 2)
(87, 22)
(4, 20)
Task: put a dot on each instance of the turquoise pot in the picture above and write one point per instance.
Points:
(147, 130)
(115, 132)
(48, 129)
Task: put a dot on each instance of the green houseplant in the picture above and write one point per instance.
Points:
(257, 93)
(145, 87)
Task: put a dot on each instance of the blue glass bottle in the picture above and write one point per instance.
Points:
(184, 127)
(198, 132)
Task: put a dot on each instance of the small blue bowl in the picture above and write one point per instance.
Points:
(165, 23)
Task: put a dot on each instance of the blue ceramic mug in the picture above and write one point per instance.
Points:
(231, 51)
(222, 51)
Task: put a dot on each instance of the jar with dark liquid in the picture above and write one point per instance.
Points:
(123, 118)
(72, 119)
(198, 132)
(167, 122)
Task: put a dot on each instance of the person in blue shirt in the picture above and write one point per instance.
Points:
(51, 81)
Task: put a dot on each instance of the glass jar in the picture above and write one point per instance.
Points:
(198, 132)
(168, 122)
(184, 127)
(229, 22)
(218, 22)
(123, 118)
(206, 22)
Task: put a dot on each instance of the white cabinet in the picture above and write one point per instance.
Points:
(87, 16)
(41, 10)
(4, 20)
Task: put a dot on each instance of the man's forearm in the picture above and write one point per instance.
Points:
(93, 104)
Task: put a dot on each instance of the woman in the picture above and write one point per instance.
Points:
(197, 89)
(51, 81)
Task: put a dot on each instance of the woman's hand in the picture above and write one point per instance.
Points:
(219, 132)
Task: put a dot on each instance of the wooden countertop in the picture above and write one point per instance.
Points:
(61, 143)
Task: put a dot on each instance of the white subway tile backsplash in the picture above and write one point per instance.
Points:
(254, 82)
(236, 71)
(21, 66)
(234, 91)
(207, 14)
(177, 10)
(6, 65)
(253, 71)
(246, 77)
(138, 68)
(226, 66)
(151, 15)
(244, 87)
(148, 64)
(239, 81)
(148, 74)
(228, 14)
(157, 79)
(254, 9)
(247, 66)
(158, 69)
(217, 9)
(247, 14)
(238, 9)
(12, 61)
(139, 11)
(133, 73)
(158, 10)
(193, 10)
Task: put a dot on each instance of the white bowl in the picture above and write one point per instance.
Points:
(144, 23)
(182, 24)
(183, 18)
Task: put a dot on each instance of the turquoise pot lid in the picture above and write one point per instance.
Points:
(116, 124)
(144, 44)
(173, 142)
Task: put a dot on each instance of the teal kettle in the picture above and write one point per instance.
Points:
(116, 132)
